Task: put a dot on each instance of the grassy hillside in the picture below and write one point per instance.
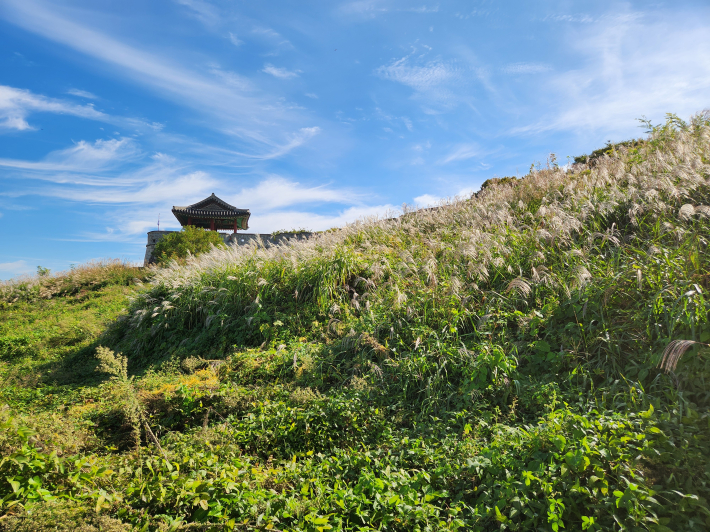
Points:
(505, 362)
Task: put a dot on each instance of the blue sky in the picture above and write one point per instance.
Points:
(311, 114)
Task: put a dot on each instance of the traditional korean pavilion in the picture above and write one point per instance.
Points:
(214, 214)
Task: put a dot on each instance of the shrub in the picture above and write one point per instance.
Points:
(191, 240)
(610, 149)
(498, 181)
(62, 516)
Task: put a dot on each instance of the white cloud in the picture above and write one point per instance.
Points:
(272, 36)
(236, 41)
(274, 221)
(298, 139)
(423, 9)
(526, 68)
(430, 200)
(419, 77)
(258, 120)
(372, 8)
(368, 8)
(580, 17)
(276, 192)
(11, 269)
(175, 187)
(279, 72)
(427, 200)
(82, 157)
(202, 11)
(311, 95)
(626, 71)
(17, 104)
(82, 94)
(463, 152)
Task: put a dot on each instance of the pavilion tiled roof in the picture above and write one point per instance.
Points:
(198, 209)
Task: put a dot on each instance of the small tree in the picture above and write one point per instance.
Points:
(191, 239)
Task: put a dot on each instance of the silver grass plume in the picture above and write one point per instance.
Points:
(673, 353)
(519, 284)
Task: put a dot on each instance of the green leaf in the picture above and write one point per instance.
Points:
(15, 485)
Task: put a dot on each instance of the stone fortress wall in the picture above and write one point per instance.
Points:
(231, 239)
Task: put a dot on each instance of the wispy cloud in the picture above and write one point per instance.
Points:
(18, 267)
(279, 72)
(271, 35)
(277, 192)
(419, 77)
(236, 41)
(298, 139)
(255, 118)
(17, 104)
(462, 152)
(122, 191)
(368, 8)
(578, 17)
(423, 9)
(372, 8)
(526, 68)
(83, 94)
(82, 157)
(627, 72)
(202, 11)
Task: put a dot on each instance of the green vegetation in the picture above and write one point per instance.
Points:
(190, 241)
(291, 231)
(506, 362)
(498, 181)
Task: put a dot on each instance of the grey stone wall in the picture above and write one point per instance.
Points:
(234, 239)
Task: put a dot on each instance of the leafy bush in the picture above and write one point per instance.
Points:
(189, 241)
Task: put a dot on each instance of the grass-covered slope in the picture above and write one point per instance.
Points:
(488, 365)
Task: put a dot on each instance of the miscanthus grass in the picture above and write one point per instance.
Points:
(558, 233)
(533, 357)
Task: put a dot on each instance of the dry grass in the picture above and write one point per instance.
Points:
(463, 242)
(87, 277)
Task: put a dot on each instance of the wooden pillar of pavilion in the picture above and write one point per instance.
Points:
(235, 226)
(189, 221)
(212, 225)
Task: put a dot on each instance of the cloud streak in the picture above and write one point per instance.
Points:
(281, 73)
(626, 73)
(256, 119)
(17, 267)
(462, 152)
(526, 68)
(82, 94)
(17, 104)
(82, 157)
(421, 78)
